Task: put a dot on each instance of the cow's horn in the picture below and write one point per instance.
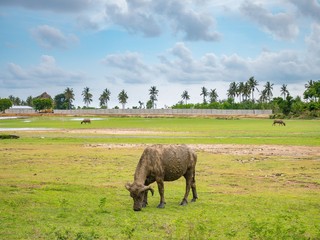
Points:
(146, 188)
(151, 190)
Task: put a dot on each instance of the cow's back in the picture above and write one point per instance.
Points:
(171, 160)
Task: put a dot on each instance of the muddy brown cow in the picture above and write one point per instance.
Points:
(280, 122)
(160, 163)
(86, 120)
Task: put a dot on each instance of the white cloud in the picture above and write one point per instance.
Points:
(279, 67)
(134, 16)
(178, 65)
(50, 37)
(151, 18)
(195, 25)
(46, 73)
(128, 67)
(313, 41)
(309, 8)
(281, 25)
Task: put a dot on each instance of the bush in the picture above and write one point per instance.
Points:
(5, 103)
(277, 116)
(42, 104)
(313, 106)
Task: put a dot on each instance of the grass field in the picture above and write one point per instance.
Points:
(170, 130)
(57, 184)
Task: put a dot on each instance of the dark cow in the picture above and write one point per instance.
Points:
(279, 122)
(160, 163)
(86, 120)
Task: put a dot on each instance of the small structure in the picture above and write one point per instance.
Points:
(20, 110)
(44, 95)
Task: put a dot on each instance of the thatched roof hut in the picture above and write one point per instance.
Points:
(44, 95)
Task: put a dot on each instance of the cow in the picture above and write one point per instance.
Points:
(86, 120)
(159, 163)
(280, 122)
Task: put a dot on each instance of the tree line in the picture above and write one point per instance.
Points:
(241, 95)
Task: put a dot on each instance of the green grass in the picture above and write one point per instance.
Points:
(75, 192)
(173, 130)
(53, 186)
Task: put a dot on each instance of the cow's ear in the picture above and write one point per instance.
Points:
(128, 186)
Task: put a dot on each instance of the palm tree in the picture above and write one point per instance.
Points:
(309, 84)
(104, 98)
(253, 83)
(15, 100)
(29, 101)
(204, 93)
(213, 95)
(153, 92)
(87, 96)
(122, 97)
(312, 91)
(263, 96)
(141, 104)
(268, 90)
(232, 91)
(308, 93)
(246, 91)
(69, 96)
(185, 96)
(284, 91)
(240, 91)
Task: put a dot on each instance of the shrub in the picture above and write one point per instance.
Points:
(5, 103)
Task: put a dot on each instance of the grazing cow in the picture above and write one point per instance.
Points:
(279, 122)
(160, 163)
(86, 120)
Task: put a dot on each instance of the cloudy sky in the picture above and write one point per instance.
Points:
(175, 45)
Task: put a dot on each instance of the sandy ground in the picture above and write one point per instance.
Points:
(236, 149)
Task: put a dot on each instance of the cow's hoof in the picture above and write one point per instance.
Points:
(184, 202)
(194, 199)
(161, 205)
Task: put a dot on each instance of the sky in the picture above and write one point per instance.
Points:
(175, 45)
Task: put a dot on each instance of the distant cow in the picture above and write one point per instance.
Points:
(160, 163)
(86, 120)
(279, 122)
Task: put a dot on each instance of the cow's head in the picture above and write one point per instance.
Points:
(137, 192)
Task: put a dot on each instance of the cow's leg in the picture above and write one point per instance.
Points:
(145, 199)
(188, 176)
(161, 192)
(194, 189)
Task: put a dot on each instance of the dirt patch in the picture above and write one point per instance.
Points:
(266, 150)
(235, 149)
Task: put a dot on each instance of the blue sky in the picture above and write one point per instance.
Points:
(175, 45)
